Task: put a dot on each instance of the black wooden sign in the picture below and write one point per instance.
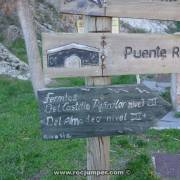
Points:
(98, 111)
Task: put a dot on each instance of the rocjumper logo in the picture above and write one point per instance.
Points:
(97, 2)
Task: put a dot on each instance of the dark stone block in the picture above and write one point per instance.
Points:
(167, 166)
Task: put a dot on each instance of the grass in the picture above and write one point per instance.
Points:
(167, 95)
(177, 115)
(24, 155)
(177, 26)
(71, 82)
(1, 38)
(125, 79)
(18, 48)
(67, 82)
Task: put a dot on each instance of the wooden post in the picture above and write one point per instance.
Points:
(98, 148)
(34, 59)
(175, 91)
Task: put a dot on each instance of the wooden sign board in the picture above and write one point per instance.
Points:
(147, 9)
(66, 55)
(98, 111)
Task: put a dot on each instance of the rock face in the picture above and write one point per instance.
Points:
(147, 26)
(54, 3)
(48, 19)
(12, 66)
(13, 33)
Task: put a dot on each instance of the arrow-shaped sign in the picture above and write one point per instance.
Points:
(99, 111)
(148, 9)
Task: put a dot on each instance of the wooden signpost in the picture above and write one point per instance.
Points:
(98, 148)
(99, 111)
(67, 55)
(96, 113)
(148, 9)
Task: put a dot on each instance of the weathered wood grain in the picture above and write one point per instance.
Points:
(125, 54)
(98, 111)
(98, 148)
(148, 9)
